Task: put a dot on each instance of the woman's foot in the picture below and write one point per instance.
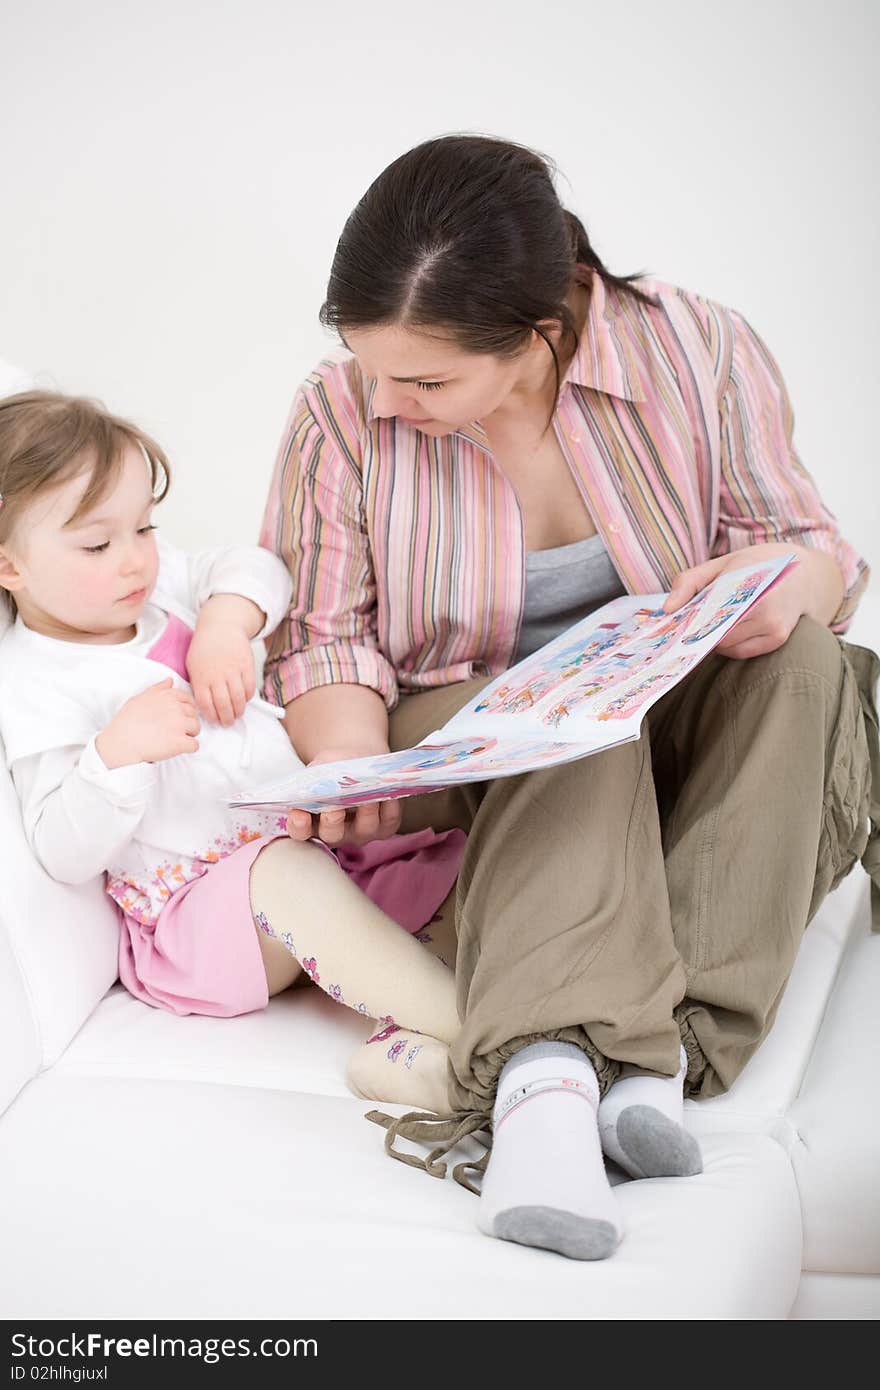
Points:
(641, 1129)
(545, 1184)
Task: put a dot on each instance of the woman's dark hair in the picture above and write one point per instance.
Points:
(465, 233)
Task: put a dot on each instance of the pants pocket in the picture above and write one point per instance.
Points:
(847, 798)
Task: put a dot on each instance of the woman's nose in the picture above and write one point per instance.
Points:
(388, 399)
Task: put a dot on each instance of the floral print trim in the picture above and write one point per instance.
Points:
(384, 1033)
(142, 896)
(310, 966)
(395, 1050)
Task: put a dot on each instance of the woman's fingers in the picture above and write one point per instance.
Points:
(371, 821)
(389, 817)
(691, 581)
(331, 826)
(299, 825)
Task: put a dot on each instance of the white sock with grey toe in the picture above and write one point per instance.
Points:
(640, 1125)
(545, 1184)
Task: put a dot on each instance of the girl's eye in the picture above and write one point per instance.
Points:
(145, 530)
(96, 549)
(430, 385)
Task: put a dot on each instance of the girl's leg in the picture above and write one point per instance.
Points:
(305, 906)
(410, 1068)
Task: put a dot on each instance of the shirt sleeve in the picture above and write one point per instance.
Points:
(766, 494)
(191, 578)
(79, 814)
(315, 521)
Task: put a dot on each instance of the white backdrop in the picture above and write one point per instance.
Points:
(175, 174)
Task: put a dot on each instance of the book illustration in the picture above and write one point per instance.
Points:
(742, 594)
(392, 775)
(585, 691)
(634, 699)
(612, 653)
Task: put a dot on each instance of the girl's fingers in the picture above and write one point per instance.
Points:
(223, 703)
(238, 700)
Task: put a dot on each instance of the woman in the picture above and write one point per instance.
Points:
(516, 437)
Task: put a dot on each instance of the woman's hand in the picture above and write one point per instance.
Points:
(220, 662)
(375, 820)
(813, 586)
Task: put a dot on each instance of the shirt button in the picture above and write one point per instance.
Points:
(576, 438)
(614, 528)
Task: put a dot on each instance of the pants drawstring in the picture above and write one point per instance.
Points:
(420, 1126)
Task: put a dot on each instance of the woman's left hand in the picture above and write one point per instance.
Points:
(813, 586)
(220, 661)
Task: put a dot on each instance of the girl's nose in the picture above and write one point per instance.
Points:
(129, 561)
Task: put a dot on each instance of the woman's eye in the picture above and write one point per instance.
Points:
(430, 385)
(96, 549)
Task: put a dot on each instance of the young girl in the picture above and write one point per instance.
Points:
(128, 715)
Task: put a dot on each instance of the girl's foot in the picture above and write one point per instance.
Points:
(401, 1067)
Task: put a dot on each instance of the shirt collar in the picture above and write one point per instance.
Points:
(610, 348)
(606, 360)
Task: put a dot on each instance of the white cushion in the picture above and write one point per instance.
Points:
(299, 1043)
(19, 1039)
(760, 1097)
(64, 939)
(228, 1201)
(839, 1297)
(837, 1158)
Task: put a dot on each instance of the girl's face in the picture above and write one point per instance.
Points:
(89, 579)
(432, 383)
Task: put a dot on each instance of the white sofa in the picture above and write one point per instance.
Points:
(160, 1167)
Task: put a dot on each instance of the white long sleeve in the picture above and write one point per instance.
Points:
(78, 814)
(190, 579)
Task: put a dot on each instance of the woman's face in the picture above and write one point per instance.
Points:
(432, 383)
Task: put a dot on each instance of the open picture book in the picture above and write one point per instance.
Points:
(587, 690)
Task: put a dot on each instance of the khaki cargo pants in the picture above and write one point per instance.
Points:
(658, 891)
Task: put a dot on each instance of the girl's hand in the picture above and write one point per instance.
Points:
(159, 723)
(220, 662)
(375, 820)
(813, 586)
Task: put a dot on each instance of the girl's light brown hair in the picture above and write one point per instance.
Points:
(47, 438)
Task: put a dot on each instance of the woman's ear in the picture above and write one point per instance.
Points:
(550, 328)
(11, 577)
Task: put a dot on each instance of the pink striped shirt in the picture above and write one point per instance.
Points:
(407, 551)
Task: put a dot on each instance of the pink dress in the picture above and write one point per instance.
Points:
(202, 955)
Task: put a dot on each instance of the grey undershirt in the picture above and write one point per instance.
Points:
(563, 585)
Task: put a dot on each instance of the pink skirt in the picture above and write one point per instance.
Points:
(202, 955)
